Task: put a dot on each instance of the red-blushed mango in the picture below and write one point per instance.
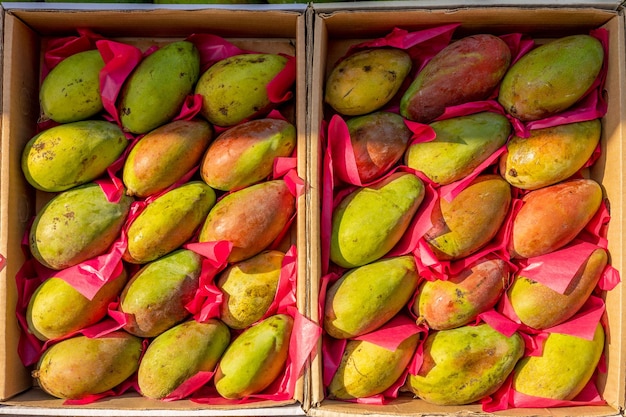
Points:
(168, 222)
(551, 217)
(461, 145)
(465, 364)
(368, 369)
(467, 70)
(245, 153)
(250, 218)
(459, 299)
(367, 297)
(565, 366)
(379, 141)
(366, 80)
(552, 77)
(540, 307)
(370, 220)
(549, 155)
(80, 366)
(164, 155)
(470, 220)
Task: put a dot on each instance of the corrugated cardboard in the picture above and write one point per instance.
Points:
(338, 27)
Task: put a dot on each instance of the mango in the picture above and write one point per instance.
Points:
(459, 299)
(549, 155)
(245, 154)
(368, 369)
(552, 77)
(255, 358)
(540, 307)
(365, 298)
(155, 297)
(369, 221)
(465, 364)
(564, 368)
(57, 309)
(249, 288)
(366, 80)
(250, 218)
(71, 90)
(76, 225)
(234, 88)
(467, 70)
(79, 366)
(551, 217)
(72, 154)
(379, 141)
(155, 91)
(168, 221)
(471, 219)
(176, 355)
(461, 144)
(164, 155)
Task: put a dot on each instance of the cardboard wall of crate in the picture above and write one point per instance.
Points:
(336, 29)
(24, 33)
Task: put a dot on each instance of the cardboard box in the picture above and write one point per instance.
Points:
(25, 31)
(339, 26)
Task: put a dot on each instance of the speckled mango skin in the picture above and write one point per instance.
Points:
(549, 155)
(465, 364)
(168, 222)
(180, 353)
(71, 90)
(461, 145)
(254, 359)
(368, 222)
(366, 80)
(366, 297)
(71, 154)
(79, 366)
(564, 368)
(76, 225)
(234, 89)
(156, 89)
(367, 369)
(552, 77)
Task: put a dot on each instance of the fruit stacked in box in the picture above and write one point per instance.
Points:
(463, 240)
(163, 258)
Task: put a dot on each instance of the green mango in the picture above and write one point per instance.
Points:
(461, 145)
(549, 155)
(157, 88)
(155, 297)
(71, 154)
(564, 368)
(368, 369)
(541, 307)
(57, 309)
(465, 364)
(369, 221)
(76, 225)
(552, 77)
(234, 88)
(471, 219)
(249, 288)
(71, 90)
(168, 221)
(245, 154)
(366, 80)
(164, 155)
(255, 358)
(179, 353)
(80, 366)
(367, 297)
